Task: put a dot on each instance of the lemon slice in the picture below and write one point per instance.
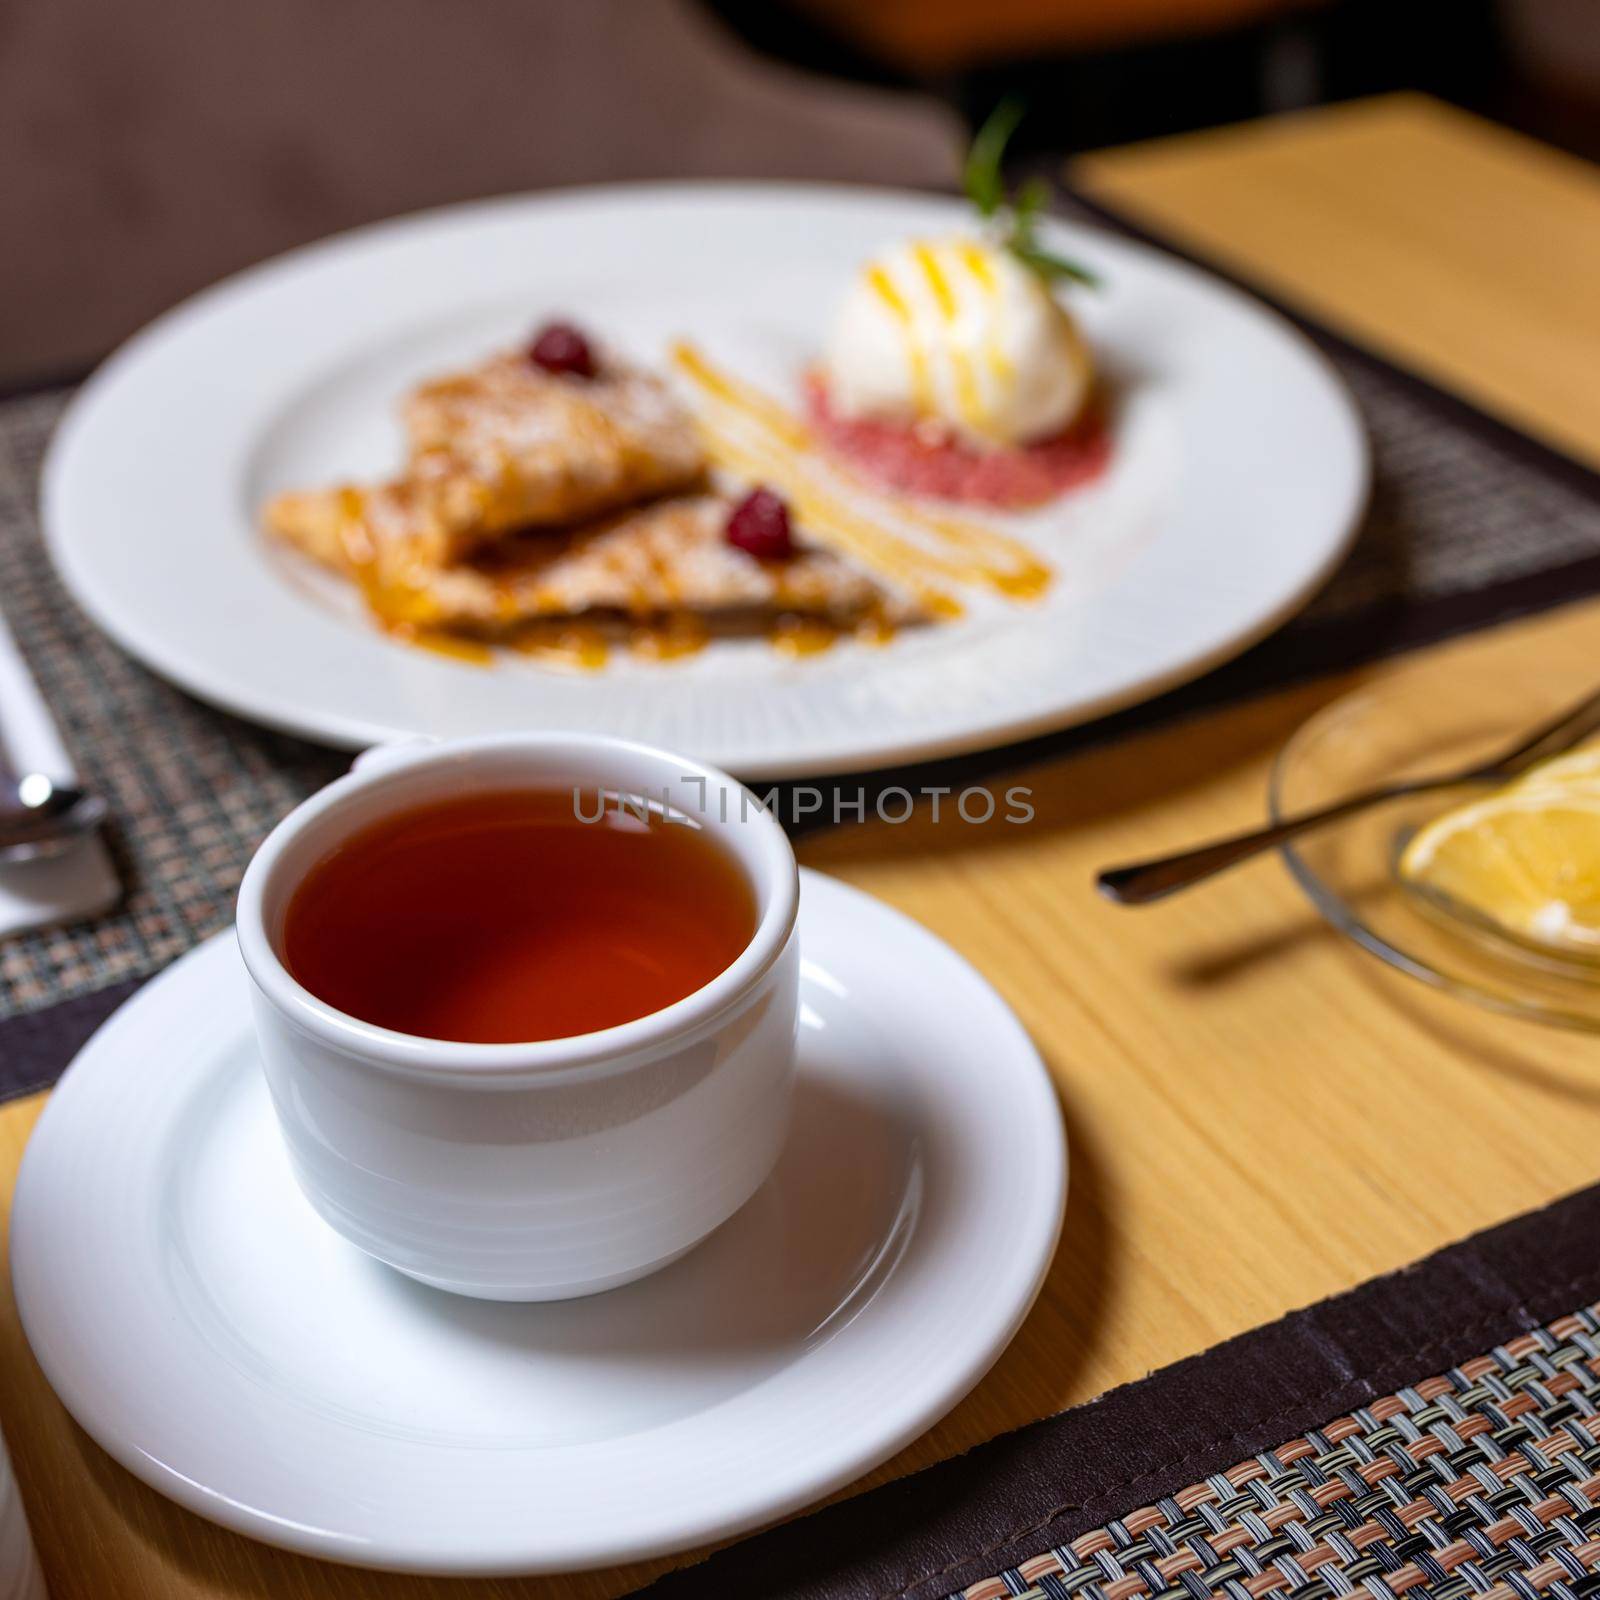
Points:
(1525, 858)
(1580, 768)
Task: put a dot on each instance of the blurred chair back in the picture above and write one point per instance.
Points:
(151, 147)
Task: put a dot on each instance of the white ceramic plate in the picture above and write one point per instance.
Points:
(221, 1342)
(1238, 477)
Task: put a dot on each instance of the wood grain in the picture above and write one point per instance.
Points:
(1467, 253)
(1260, 1115)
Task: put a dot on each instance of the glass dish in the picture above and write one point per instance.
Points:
(1415, 722)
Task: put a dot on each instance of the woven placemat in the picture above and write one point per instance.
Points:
(192, 791)
(1469, 523)
(1434, 1433)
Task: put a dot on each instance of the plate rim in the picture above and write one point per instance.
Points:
(311, 720)
(34, 1269)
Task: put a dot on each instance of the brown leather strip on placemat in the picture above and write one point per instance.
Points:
(35, 1046)
(935, 1532)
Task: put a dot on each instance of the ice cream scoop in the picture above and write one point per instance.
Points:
(960, 333)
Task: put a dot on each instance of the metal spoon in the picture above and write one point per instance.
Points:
(1139, 883)
(40, 817)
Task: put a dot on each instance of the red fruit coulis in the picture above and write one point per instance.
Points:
(920, 460)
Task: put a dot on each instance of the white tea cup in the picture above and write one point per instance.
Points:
(551, 1169)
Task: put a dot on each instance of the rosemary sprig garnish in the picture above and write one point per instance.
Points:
(1014, 216)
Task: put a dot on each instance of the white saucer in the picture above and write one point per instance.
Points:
(205, 1326)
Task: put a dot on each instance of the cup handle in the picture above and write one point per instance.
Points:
(379, 756)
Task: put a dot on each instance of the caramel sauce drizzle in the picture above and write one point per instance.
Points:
(398, 606)
(982, 272)
(576, 646)
(455, 645)
(784, 450)
(669, 638)
(803, 636)
(944, 297)
(408, 615)
(921, 379)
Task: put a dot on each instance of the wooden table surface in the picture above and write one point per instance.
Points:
(1259, 1114)
(1465, 252)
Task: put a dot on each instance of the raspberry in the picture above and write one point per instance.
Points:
(560, 348)
(759, 525)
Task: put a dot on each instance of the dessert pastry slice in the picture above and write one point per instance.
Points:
(507, 445)
(670, 559)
